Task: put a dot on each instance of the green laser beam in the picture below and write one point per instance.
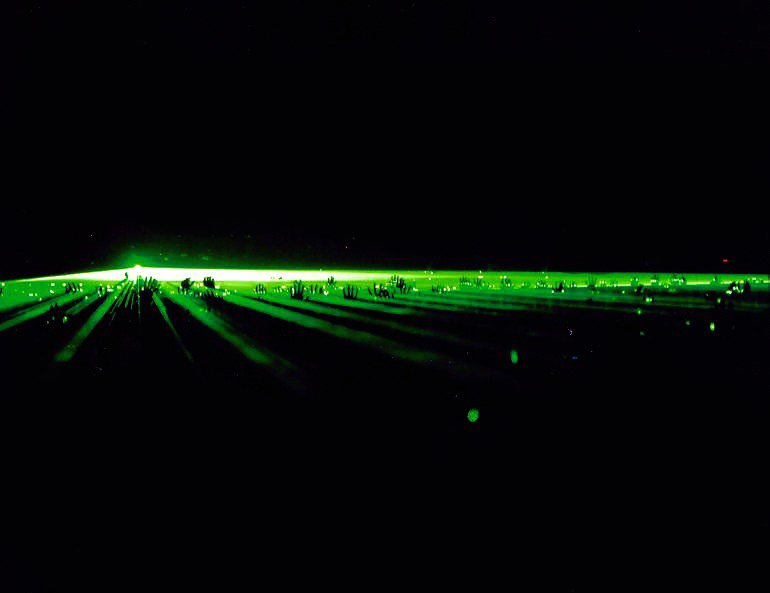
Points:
(70, 349)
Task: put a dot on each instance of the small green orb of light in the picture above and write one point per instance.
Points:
(638, 311)
(515, 356)
(473, 414)
(712, 326)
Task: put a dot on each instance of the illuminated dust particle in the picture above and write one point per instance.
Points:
(473, 414)
(515, 356)
(712, 326)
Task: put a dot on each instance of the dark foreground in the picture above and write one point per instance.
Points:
(626, 448)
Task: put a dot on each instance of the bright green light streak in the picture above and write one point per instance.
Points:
(462, 301)
(623, 279)
(75, 309)
(473, 414)
(38, 310)
(372, 322)
(385, 345)
(70, 349)
(162, 310)
(240, 341)
(229, 275)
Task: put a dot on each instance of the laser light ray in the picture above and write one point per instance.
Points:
(38, 310)
(70, 349)
(286, 371)
(618, 279)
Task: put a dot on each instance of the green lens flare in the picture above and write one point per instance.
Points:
(473, 414)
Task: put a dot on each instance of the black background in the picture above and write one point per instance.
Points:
(403, 134)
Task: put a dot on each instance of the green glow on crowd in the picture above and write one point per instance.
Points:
(473, 414)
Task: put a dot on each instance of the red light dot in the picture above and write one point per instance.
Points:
(724, 261)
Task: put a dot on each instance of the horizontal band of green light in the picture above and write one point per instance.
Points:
(424, 277)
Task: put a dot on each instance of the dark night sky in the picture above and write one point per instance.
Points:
(437, 133)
